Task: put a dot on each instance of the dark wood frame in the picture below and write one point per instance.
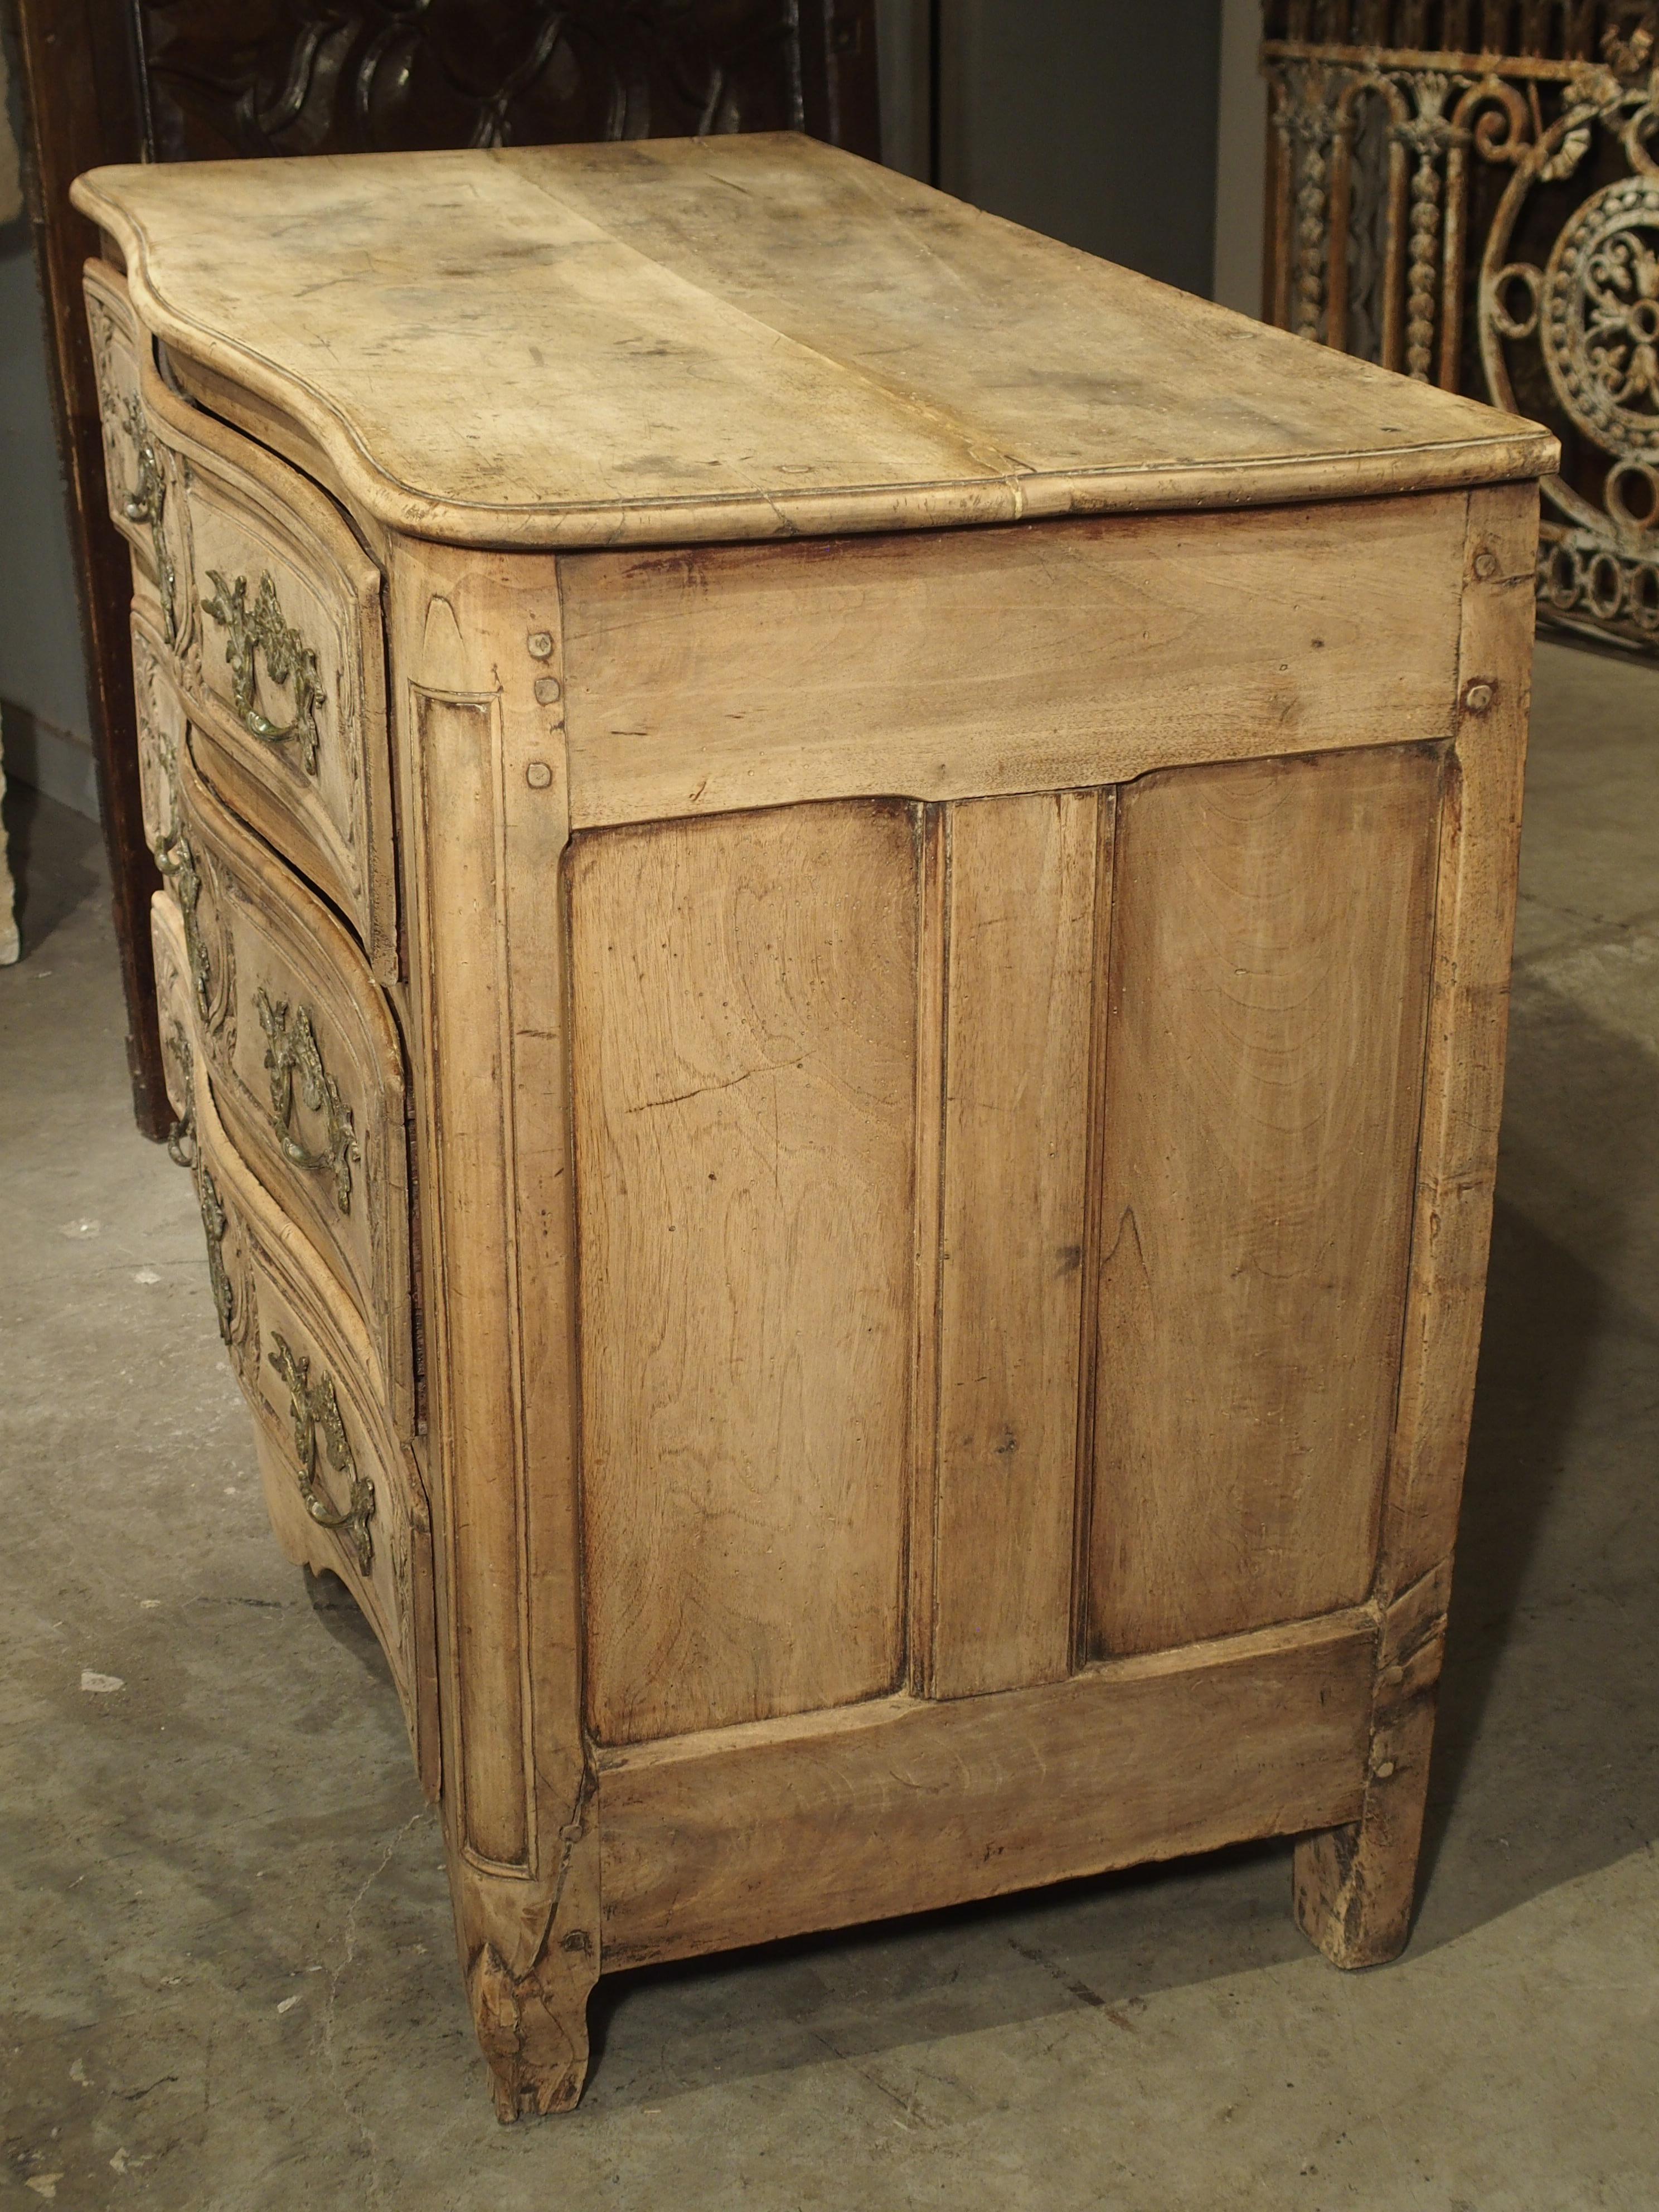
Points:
(85, 99)
(81, 96)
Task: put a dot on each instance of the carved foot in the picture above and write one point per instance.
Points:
(535, 2037)
(1353, 1887)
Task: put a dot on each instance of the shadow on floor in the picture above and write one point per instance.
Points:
(335, 1607)
(1104, 1944)
(1552, 1673)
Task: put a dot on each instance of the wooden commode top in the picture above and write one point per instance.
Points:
(681, 340)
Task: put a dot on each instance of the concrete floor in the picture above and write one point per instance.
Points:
(227, 1978)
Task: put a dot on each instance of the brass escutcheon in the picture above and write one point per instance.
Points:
(291, 1049)
(261, 628)
(315, 1411)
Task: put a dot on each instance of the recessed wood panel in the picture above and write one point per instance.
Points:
(1021, 911)
(744, 1030)
(473, 1318)
(1271, 941)
(905, 1805)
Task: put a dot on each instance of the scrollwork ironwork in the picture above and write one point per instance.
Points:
(250, 631)
(1509, 246)
(1428, 136)
(291, 1051)
(1600, 307)
(314, 1411)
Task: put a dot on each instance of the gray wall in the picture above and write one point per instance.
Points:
(1093, 120)
(43, 695)
(1241, 166)
(904, 59)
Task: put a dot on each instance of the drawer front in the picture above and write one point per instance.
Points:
(269, 612)
(160, 719)
(233, 1301)
(343, 1494)
(141, 470)
(304, 1060)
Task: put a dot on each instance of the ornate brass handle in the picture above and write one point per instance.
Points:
(261, 628)
(147, 502)
(291, 1049)
(315, 1411)
(176, 859)
(215, 1222)
(183, 1148)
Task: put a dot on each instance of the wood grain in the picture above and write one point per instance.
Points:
(1469, 1023)
(1354, 1886)
(745, 1049)
(954, 1070)
(893, 359)
(474, 1310)
(475, 723)
(933, 939)
(971, 662)
(898, 1807)
(1270, 957)
(1018, 1013)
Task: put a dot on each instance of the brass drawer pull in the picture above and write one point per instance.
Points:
(312, 1408)
(248, 633)
(176, 859)
(183, 1148)
(147, 502)
(291, 1049)
(215, 1221)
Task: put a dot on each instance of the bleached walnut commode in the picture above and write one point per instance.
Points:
(836, 906)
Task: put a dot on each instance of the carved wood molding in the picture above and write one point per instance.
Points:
(334, 76)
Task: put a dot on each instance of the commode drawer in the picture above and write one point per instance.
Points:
(305, 1063)
(344, 1494)
(268, 610)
